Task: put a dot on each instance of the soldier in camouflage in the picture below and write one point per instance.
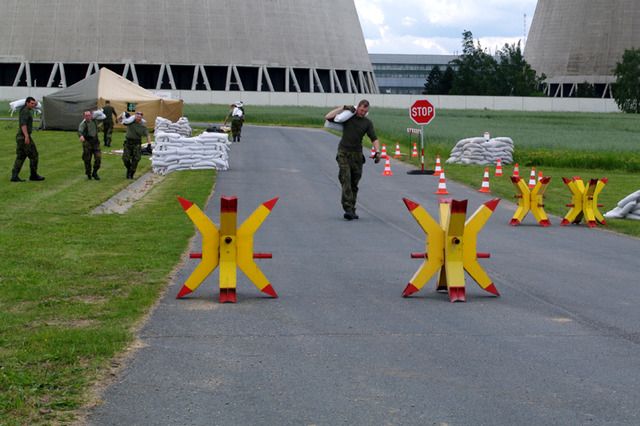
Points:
(25, 145)
(132, 149)
(88, 133)
(350, 158)
(107, 123)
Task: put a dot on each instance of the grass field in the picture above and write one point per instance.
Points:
(73, 285)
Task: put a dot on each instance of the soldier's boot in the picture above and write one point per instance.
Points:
(36, 177)
(87, 171)
(95, 175)
(16, 178)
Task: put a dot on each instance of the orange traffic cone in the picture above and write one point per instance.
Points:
(373, 152)
(485, 181)
(498, 168)
(383, 154)
(438, 168)
(540, 175)
(387, 167)
(532, 178)
(516, 171)
(398, 154)
(442, 184)
(414, 153)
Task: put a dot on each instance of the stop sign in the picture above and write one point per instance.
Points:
(422, 111)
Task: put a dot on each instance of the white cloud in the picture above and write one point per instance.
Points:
(436, 26)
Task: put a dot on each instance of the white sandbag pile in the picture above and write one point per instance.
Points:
(627, 208)
(174, 152)
(482, 151)
(180, 127)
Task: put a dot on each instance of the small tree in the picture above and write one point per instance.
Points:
(476, 73)
(515, 75)
(586, 90)
(627, 89)
(433, 83)
(446, 82)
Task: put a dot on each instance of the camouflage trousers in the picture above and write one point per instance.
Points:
(131, 154)
(350, 172)
(236, 129)
(24, 151)
(91, 148)
(107, 127)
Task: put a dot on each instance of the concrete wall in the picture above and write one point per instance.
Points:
(378, 100)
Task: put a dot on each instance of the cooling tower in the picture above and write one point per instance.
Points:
(577, 41)
(253, 45)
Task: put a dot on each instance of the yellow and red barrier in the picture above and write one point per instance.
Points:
(229, 247)
(530, 200)
(584, 202)
(451, 248)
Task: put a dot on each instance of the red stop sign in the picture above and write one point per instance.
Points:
(422, 111)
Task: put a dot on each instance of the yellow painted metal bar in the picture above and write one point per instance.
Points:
(471, 230)
(524, 200)
(537, 201)
(245, 245)
(576, 186)
(599, 187)
(434, 247)
(228, 241)
(210, 244)
(453, 247)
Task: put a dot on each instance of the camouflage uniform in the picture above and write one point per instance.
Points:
(107, 124)
(90, 147)
(23, 150)
(132, 150)
(237, 119)
(350, 158)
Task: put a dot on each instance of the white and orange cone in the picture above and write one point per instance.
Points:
(438, 169)
(540, 175)
(442, 184)
(383, 154)
(414, 152)
(516, 171)
(387, 167)
(498, 168)
(532, 178)
(373, 152)
(398, 154)
(485, 181)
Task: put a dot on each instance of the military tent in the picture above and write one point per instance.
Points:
(63, 109)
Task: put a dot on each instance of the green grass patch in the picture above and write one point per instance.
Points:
(72, 284)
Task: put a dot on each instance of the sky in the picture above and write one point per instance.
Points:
(436, 26)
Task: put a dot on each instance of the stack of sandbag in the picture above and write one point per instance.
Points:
(627, 208)
(180, 127)
(482, 151)
(173, 151)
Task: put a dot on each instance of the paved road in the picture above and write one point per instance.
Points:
(341, 346)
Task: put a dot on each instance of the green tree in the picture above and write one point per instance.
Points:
(476, 74)
(446, 82)
(586, 90)
(515, 77)
(626, 91)
(434, 79)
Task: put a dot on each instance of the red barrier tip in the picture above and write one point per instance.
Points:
(271, 203)
(411, 205)
(492, 289)
(183, 292)
(492, 204)
(186, 204)
(409, 290)
(270, 291)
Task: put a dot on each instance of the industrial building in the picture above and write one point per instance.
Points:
(405, 74)
(580, 41)
(300, 46)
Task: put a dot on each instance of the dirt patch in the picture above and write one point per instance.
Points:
(125, 199)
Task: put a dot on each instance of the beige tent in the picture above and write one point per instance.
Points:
(63, 109)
